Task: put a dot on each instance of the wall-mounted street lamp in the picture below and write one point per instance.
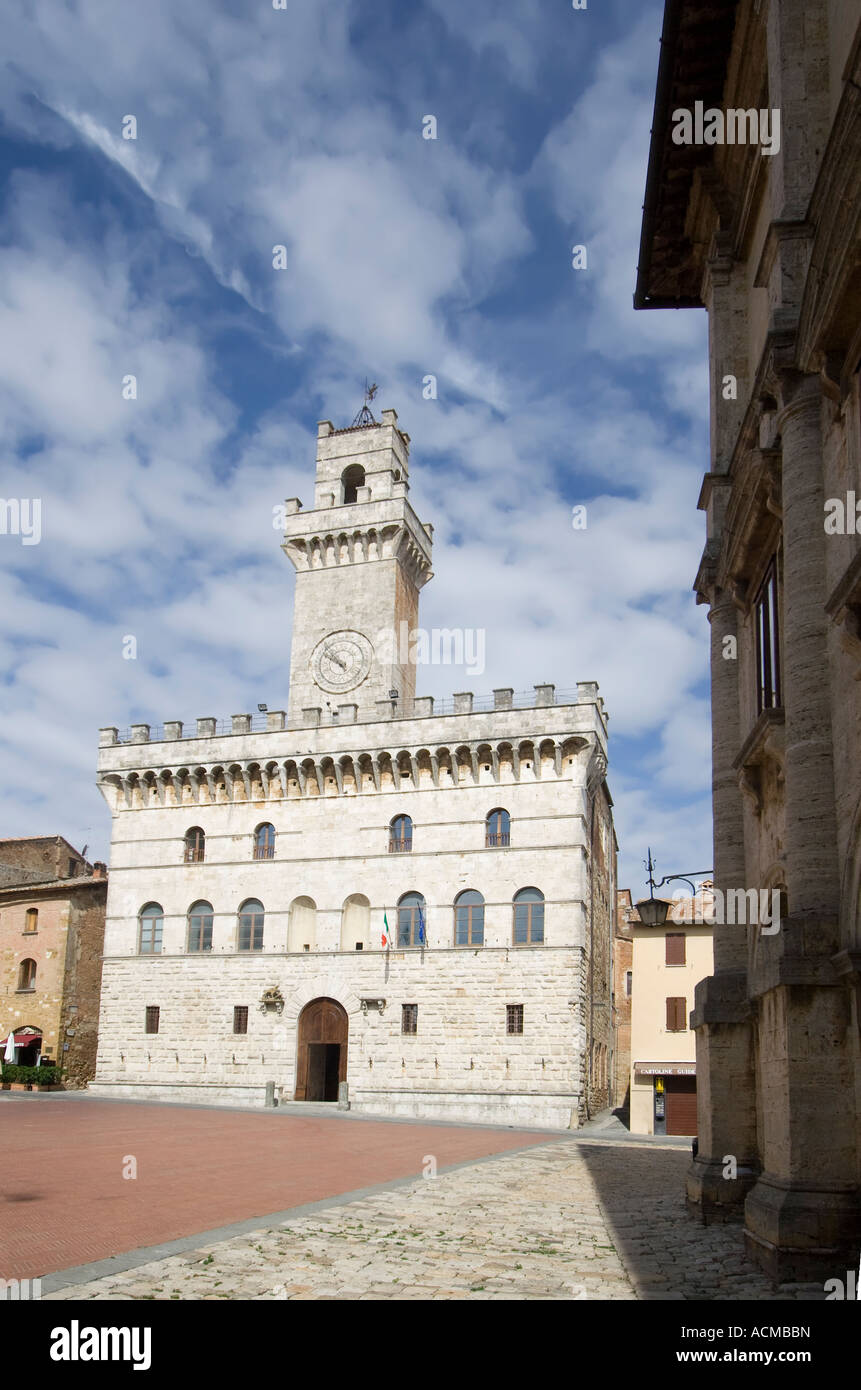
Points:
(654, 911)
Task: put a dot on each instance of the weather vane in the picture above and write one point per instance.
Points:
(366, 415)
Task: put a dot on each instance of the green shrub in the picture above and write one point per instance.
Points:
(34, 1076)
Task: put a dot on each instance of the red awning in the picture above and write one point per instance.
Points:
(26, 1039)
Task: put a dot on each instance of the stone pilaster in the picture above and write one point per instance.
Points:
(811, 840)
(801, 1217)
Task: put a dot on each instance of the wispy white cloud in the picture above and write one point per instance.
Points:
(405, 256)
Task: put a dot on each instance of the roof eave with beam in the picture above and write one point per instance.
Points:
(695, 44)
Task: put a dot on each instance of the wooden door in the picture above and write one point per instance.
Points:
(681, 1104)
(321, 1021)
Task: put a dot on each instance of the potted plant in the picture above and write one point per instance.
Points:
(15, 1078)
(48, 1078)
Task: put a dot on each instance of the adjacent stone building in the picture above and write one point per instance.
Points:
(765, 233)
(52, 926)
(255, 866)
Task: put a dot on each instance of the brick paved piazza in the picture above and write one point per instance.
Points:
(568, 1217)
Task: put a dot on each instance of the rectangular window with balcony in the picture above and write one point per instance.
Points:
(767, 621)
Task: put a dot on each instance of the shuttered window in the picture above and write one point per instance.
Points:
(677, 1014)
(675, 948)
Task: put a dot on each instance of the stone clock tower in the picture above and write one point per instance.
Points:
(361, 556)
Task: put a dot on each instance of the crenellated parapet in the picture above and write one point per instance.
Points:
(355, 773)
(237, 763)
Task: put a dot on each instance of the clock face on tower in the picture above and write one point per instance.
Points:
(341, 661)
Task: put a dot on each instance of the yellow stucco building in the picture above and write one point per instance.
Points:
(668, 963)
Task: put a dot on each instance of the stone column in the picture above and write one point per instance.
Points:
(801, 1218)
(722, 1016)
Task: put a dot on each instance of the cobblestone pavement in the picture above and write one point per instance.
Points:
(568, 1220)
(196, 1169)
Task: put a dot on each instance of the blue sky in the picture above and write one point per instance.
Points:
(405, 256)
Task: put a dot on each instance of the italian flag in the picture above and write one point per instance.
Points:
(387, 935)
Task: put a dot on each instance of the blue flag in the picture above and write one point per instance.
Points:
(423, 936)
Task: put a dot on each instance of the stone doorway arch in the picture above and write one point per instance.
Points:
(321, 1060)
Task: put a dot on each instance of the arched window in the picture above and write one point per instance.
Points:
(200, 927)
(151, 927)
(195, 845)
(355, 923)
(469, 919)
(528, 917)
(412, 930)
(250, 936)
(264, 841)
(498, 830)
(352, 479)
(27, 975)
(302, 925)
(400, 835)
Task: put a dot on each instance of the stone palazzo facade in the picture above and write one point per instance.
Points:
(255, 864)
(770, 245)
(52, 925)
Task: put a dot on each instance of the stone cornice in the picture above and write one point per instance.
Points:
(711, 482)
(751, 525)
(751, 521)
(800, 954)
(779, 232)
(765, 743)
